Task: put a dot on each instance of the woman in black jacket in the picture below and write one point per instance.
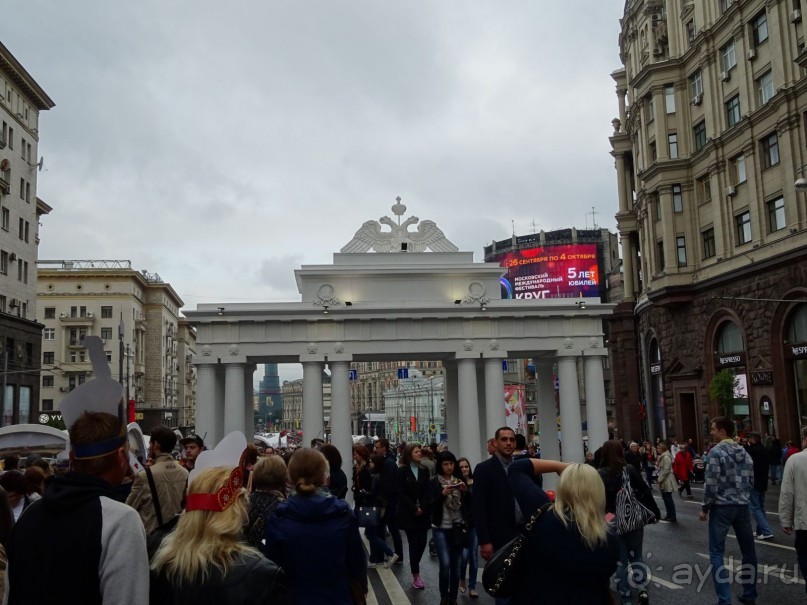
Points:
(414, 499)
(613, 469)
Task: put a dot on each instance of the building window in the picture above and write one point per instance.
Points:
(650, 109)
(708, 239)
(21, 228)
(696, 84)
(759, 28)
(47, 405)
(770, 150)
(765, 88)
(108, 356)
(733, 111)
(672, 145)
(106, 333)
(691, 32)
(27, 231)
(681, 248)
(657, 206)
(743, 224)
(660, 255)
(678, 198)
(669, 98)
(653, 151)
(47, 358)
(49, 334)
(704, 186)
(47, 381)
(737, 168)
(50, 312)
(106, 312)
(776, 214)
(729, 55)
(22, 188)
(6, 218)
(4, 262)
(699, 132)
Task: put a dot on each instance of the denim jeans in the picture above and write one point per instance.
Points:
(669, 504)
(378, 547)
(775, 472)
(721, 519)
(470, 558)
(449, 556)
(757, 505)
(630, 560)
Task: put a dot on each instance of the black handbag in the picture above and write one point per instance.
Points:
(459, 534)
(368, 516)
(503, 572)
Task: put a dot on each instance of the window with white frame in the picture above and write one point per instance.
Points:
(49, 334)
(742, 223)
(737, 168)
(696, 84)
(729, 55)
(6, 219)
(776, 214)
(765, 89)
(669, 98)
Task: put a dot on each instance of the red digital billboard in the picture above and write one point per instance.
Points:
(562, 271)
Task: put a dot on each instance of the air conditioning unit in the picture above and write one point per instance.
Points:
(90, 315)
(751, 54)
(62, 389)
(12, 256)
(103, 341)
(14, 303)
(725, 76)
(731, 191)
(657, 52)
(795, 16)
(655, 18)
(697, 99)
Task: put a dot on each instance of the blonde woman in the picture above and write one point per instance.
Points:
(315, 538)
(203, 561)
(570, 554)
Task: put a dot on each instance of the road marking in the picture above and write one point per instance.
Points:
(773, 570)
(656, 580)
(394, 590)
(767, 543)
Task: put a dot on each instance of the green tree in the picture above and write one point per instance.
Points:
(722, 389)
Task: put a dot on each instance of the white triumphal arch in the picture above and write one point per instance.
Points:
(400, 294)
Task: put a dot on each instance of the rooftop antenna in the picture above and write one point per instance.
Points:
(593, 214)
(514, 227)
(534, 227)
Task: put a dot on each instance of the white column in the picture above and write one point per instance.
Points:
(547, 416)
(249, 402)
(217, 431)
(233, 398)
(469, 438)
(494, 397)
(205, 398)
(313, 423)
(570, 423)
(596, 417)
(452, 414)
(341, 435)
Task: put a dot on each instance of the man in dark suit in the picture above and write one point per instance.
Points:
(389, 492)
(496, 514)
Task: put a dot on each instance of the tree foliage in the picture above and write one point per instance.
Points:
(722, 389)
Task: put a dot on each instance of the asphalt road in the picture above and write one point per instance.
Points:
(676, 554)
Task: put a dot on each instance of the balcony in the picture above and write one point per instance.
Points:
(79, 320)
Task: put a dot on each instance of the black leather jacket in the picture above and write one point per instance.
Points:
(253, 580)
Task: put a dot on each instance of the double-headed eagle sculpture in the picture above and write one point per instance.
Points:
(371, 237)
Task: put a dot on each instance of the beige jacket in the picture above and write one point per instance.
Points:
(666, 478)
(793, 493)
(170, 479)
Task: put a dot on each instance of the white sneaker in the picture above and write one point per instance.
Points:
(390, 561)
(371, 565)
(764, 536)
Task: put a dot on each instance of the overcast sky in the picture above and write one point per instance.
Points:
(224, 144)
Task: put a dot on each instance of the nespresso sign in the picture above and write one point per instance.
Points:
(797, 351)
(729, 361)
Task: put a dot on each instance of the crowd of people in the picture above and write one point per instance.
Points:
(237, 525)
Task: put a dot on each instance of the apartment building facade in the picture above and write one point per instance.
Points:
(21, 101)
(710, 139)
(136, 314)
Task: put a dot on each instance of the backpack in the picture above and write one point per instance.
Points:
(630, 513)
